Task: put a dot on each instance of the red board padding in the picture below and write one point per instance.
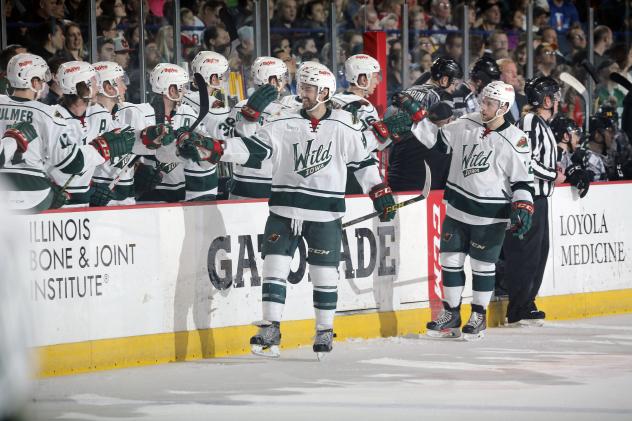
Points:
(375, 46)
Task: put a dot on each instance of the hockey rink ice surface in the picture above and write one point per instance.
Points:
(566, 370)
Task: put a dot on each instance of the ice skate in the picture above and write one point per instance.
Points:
(448, 323)
(323, 343)
(533, 318)
(474, 329)
(267, 340)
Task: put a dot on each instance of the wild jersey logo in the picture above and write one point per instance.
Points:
(311, 161)
(474, 161)
(522, 143)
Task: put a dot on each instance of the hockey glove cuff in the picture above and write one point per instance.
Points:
(411, 107)
(23, 133)
(383, 201)
(100, 195)
(521, 217)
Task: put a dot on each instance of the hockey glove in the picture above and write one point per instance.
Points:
(156, 136)
(393, 127)
(383, 201)
(354, 107)
(23, 133)
(411, 107)
(198, 148)
(578, 178)
(114, 143)
(60, 197)
(146, 178)
(100, 195)
(258, 102)
(521, 216)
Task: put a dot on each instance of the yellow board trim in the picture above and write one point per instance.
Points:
(105, 354)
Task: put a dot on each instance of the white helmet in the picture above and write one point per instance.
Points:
(166, 74)
(501, 92)
(317, 75)
(109, 71)
(22, 68)
(209, 63)
(71, 73)
(265, 67)
(360, 64)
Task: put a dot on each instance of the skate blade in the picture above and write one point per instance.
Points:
(473, 337)
(532, 322)
(271, 352)
(444, 334)
(322, 355)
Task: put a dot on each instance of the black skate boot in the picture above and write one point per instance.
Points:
(447, 324)
(323, 343)
(474, 329)
(267, 340)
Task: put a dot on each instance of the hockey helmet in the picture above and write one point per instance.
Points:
(561, 125)
(22, 68)
(166, 74)
(486, 70)
(500, 91)
(72, 73)
(317, 75)
(539, 88)
(360, 64)
(109, 71)
(266, 67)
(445, 67)
(209, 63)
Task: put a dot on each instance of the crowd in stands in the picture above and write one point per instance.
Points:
(58, 31)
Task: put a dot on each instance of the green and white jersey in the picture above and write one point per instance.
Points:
(309, 159)
(82, 130)
(218, 122)
(489, 168)
(27, 172)
(182, 179)
(136, 116)
(253, 182)
(367, 114)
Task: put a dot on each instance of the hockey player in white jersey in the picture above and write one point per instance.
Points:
(112, 86)
(89, 124)
(269, 75)
(490, 184)
(311, 150)
(47, 145)
(181, 178)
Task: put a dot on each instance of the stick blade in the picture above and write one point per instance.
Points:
(200, 82)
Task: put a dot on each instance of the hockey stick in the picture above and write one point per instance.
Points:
(425, 77)
(621, 80)
(581, 89)
(204, 107)
(422, 196)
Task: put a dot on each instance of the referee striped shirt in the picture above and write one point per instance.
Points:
(543, 153)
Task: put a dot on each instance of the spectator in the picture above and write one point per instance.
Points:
(290, 62)
(121, 52)
(517, 26)
(74, 41)
(454, 46)
(366, 19)
(49, 39)
(426, 43)
(54, 90)
(576, 40)
(545, 59)
(477, 47)
(49, 9)
(549, 36)
(458, 14)
(425, 61)
(280, 41)
(509, 74)
(243, 14)
(164, 41)
(393, 73)
(602, 41)
(491, 16)
(315, 18)
(607, 91)
(6, 55)
(246, 47)
(441, 20)
(305, 45)
(285, 15)
(622, 55)
(217, 39)
(563, 15)
(105, 49)
(540, 18)
(499, 44)
(114, 9)
(76, 10)
(520, 58)
(355, 42)
(209, 13)
(106, 27)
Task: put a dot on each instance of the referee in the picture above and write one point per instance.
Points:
(525, 259)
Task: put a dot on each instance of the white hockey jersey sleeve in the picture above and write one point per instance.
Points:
(515, 161)
(360, 161)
